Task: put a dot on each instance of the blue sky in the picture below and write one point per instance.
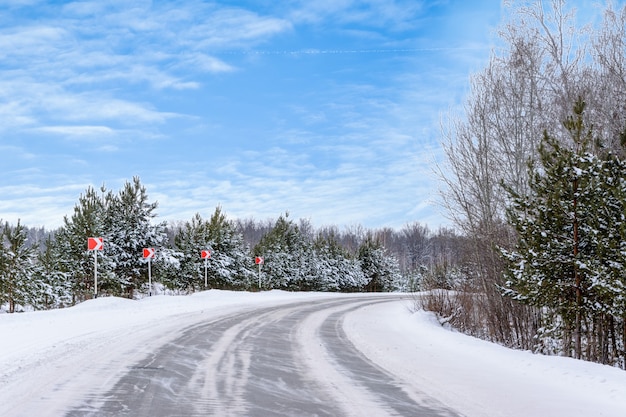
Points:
(328, 109)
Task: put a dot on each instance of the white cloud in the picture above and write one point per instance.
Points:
(80, 131)
(379, 182)
(84, 9)
(206, 63)
(80, 61)
(14, 113)
(97, 107)
(355, 148)
(233, 29)
(108, 148)
(38, 206)
(30, 41)
(16, 152)
(392, 14)
(21, 3)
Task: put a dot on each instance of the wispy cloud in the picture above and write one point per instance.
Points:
(395, 14)
(16, 152)
(67, 64)
(327, 109)
(80, 131)
(39, 206)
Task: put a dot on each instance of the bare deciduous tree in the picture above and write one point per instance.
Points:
(544, 63)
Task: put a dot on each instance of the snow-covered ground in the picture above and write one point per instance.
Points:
(55, 353)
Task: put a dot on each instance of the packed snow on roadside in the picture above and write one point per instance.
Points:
(483, 379)
(475, 377)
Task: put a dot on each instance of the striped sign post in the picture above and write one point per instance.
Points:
(259, 261)
(95, 244)
(206, 255)
(148, 253)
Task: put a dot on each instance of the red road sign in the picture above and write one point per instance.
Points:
(258, 260)
(95, 243)
(148, 252)
(205, 254)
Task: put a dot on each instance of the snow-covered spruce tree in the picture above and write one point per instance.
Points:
(124, 221)
(569, 256)
(229, 265)
(287, 255)
(381, 269)
(335, 268)
(604, 329)
(17, 267)
(127, 230)
(56, 288)
(70, 244)
(190, 239)
(608, 270)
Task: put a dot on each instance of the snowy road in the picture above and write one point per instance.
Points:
(274, 353)
(263, 362)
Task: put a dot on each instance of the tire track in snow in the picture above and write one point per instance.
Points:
(363, 387)
(288, 360)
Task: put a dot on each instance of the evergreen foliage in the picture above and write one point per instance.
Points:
(70, 244)
(18, 285)
(127, 230)
(124, 221)
(337, 270)
(228, 267)
(189, 241)
(569, 259)
(286, 254)
(380, 270)
(56, 289)
(547, 56)
(59, 271)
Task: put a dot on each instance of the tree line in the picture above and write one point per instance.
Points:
(535, 178)
(49, 269)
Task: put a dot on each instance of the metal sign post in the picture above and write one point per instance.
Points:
(149, 278)
(149, 253)
(259, 261)
(95, 274)
(205, 254)
(95, 244)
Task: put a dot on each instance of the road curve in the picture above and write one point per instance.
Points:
(288, 360)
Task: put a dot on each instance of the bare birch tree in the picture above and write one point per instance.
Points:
(544, 62)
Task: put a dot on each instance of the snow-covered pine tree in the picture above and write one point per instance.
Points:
(286, 253)
(606, 227)
(380, 268)
(17, 267)
(570, 230)
(336, 270)
(128, 229)
(56, 288)
(124, 221)
(229, 265)
(190, 239)
(70, 243)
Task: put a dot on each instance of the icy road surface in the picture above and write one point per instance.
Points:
(263, 363)
(274, 353)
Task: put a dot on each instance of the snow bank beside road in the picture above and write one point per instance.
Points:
(90, 345)
(64, 351)
(479, 378)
